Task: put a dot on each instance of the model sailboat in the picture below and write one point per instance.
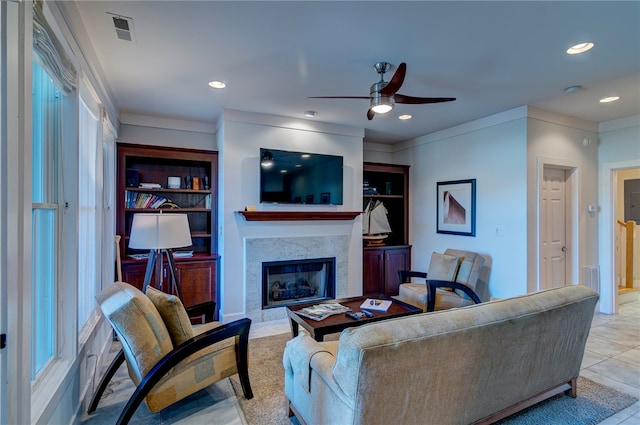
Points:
(375, 225)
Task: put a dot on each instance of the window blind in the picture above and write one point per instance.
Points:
(49, 52)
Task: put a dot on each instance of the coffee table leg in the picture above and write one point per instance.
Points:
(294, 328)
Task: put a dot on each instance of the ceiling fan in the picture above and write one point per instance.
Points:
(382, 95)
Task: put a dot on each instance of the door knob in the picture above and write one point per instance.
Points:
(564, 249)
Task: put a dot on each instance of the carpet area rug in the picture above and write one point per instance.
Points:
(595, 402)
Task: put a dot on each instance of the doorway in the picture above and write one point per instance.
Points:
(558, 223)
(607, 231)
(627, 234)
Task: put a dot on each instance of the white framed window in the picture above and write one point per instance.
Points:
(47, 109)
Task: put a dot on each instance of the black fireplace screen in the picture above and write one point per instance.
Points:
(297, 281)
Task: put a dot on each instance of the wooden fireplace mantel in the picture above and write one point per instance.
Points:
(298, 215)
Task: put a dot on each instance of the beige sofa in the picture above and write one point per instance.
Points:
(460, 366)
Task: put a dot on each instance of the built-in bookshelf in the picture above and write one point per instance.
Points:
(171, 180)
(389, 184)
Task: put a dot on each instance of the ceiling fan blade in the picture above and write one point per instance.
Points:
(370, 114)
(338, 97)
(401, 98)
(396, 81)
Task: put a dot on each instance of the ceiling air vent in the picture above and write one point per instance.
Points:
(123, 26)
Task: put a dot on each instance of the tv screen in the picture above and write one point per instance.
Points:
(288, 177)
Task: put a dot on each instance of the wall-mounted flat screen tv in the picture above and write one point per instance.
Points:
(288, 177)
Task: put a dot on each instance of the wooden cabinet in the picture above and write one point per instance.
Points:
(154, 165)
(381, 266)
(389, 184)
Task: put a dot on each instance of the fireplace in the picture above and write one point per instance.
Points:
(298, 281)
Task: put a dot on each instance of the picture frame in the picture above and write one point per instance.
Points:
(456, 207)
(325, 197)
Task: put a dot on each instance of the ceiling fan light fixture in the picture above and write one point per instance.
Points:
(381, 104)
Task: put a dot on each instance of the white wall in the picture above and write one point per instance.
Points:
(492, 151)
(239, 139)
(558, 140)
(162, 132)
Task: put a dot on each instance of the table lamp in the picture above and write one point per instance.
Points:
(160, 233)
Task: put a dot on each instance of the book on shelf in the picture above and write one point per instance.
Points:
(182, 254)
(322, 311)
(144, 200)
(375, 304)
(150, 186)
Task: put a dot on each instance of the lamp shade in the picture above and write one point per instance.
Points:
(159, 231)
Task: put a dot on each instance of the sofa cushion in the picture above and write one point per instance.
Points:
(173, 314)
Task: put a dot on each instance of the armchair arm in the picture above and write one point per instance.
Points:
(433, 284)
(206, 310)
(405, 275)
(238, 329)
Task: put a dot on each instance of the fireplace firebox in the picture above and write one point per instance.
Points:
(297, 281)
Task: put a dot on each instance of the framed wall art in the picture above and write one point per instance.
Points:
(456, 207)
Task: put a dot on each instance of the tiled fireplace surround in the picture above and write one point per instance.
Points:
(259, 250)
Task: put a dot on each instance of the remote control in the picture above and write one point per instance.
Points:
(367, 313)
(353, 315)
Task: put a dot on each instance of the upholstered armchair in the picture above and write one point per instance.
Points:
(449, 283)
(168, 358)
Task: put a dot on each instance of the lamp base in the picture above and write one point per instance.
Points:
(156, 263)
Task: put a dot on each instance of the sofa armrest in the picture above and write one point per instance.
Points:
(298, 355)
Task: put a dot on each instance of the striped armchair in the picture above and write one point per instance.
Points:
(168, 358)
(451, 282)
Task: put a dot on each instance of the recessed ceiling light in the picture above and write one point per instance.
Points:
(283, 171)
(405, 117)
(310, 114)
(217, 84)
(609, 99)
(580, 48)
(305, 155)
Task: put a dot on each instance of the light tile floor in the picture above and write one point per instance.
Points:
(612, 357)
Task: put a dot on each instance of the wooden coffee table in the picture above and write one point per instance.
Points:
(339, 322)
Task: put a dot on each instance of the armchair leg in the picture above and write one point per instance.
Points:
(111, 370)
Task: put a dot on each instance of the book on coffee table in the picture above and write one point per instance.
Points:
(374, 304)
(322, 311)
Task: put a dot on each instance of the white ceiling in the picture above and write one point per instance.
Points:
(491, 56)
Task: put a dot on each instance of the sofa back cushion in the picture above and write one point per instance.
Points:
(140, 328)
(484, 357)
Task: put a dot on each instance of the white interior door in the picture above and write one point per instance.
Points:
(553, 226)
